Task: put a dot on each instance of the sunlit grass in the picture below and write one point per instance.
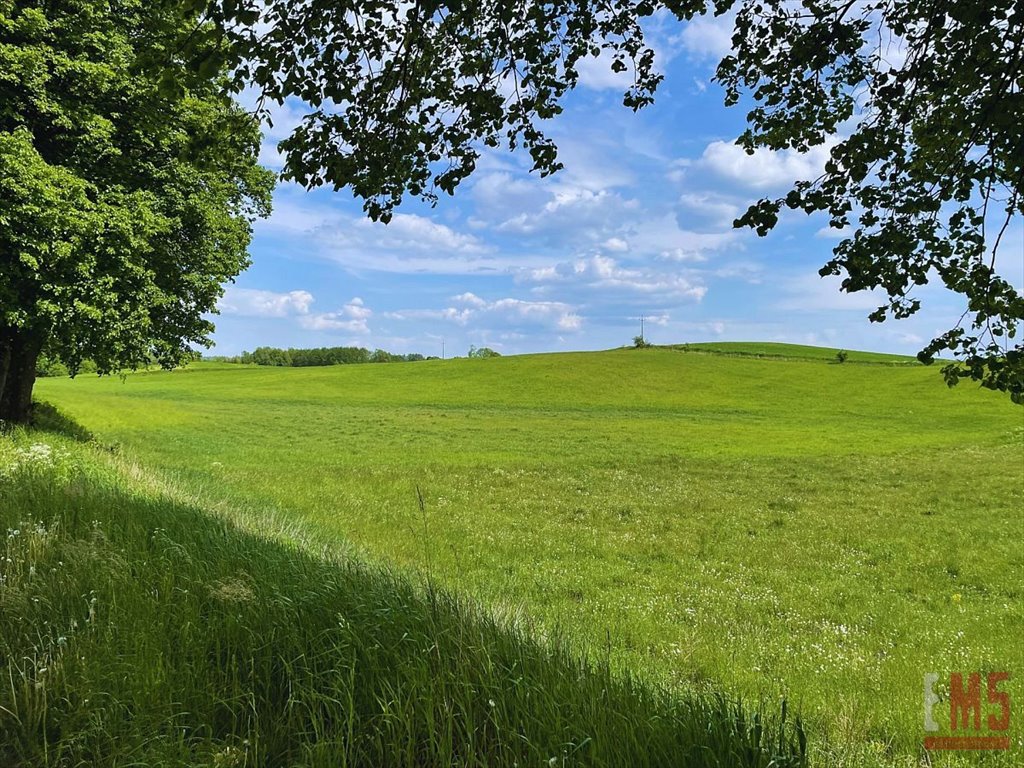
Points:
(140, 627)
(766, 527)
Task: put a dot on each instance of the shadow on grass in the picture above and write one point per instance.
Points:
(48, 418)
(136, 628)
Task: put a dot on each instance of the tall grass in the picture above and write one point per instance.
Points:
(139, 626)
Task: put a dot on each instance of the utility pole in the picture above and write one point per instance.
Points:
(442, 349)
(642, 328)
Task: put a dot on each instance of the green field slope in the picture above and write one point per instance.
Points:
(764, 526)
(141, 627)
(793, 352)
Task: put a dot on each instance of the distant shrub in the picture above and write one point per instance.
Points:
(46, 367)
(639, 342)
(482, 352)
(842, 356)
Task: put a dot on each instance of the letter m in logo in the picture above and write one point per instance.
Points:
(963, 702)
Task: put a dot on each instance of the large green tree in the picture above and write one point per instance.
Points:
(128, 184)
(923, 101)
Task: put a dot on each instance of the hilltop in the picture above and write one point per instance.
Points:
(792, 352)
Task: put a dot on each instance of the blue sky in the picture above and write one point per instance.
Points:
(638, 223)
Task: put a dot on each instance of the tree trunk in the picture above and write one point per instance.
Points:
(22, 354)
(5, 361)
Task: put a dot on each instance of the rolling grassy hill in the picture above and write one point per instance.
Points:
(793, 352)
(761, 526)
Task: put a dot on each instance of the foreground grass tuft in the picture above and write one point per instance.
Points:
(139, 628)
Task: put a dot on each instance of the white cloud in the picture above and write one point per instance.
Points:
(313, 225)
(677, 169)
(584, 207)
(469, 298)
(810, 293)
(830, 233)
(249, 302)
(542, 312)
(270, 156)
(718, 211)
(603, 272)
(459, 316)
(298, 213)
(542, 274)
(298, 216)
(660, 34)
(708, 38)
(749, 271)
(573, 210)
(1008, 263)
(896, 50)
(578, 204)
(911, 339)
(592, 152)
(408, 231)
(765, 169)
(282, 120)
(331, 321)
(596, 73)
(500, 190)
(351, 318)
(663, 237)
(570, 322)
(683, 255)
(503, 313)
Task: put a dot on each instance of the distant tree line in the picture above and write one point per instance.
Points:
(48, 366)
(300, 358)
(292, 358)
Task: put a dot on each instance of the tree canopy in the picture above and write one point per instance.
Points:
(921, 102)
(128, 183)
(301, 358)
(481, 353)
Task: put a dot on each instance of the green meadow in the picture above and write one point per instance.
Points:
(142, 626)
(760, 524)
